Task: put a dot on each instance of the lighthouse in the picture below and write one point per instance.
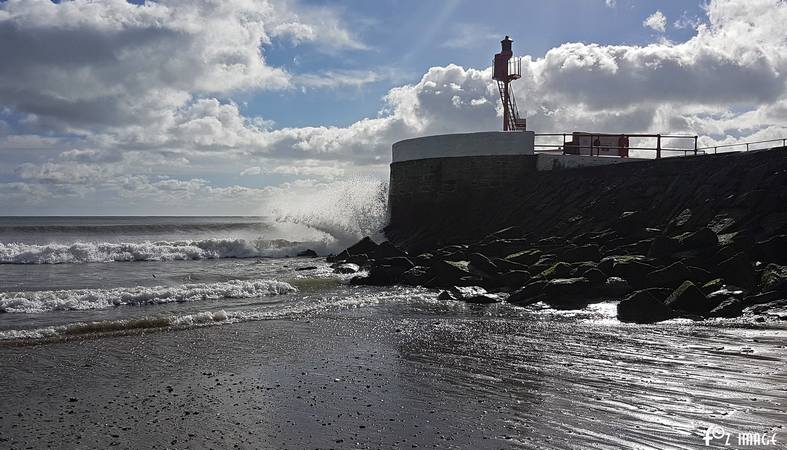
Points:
(507, 69)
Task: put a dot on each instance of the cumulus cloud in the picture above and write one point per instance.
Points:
(149, 109)
(656, 22)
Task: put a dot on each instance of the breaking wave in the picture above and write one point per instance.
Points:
(345, 211)
(91, 252)
(88, 299)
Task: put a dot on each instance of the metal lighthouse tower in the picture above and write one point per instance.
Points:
(508, 69)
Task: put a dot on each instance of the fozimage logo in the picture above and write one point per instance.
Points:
(718, 435)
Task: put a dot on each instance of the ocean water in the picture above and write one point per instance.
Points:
(558, 379)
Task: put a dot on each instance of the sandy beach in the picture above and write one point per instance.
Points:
(407, 375)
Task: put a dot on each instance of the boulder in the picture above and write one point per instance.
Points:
(499, 247)
(697, 240)
(773, 249)
(607, 263)
(505, 265)
(662, 247)
(416, 276)
(474, 294)
(386, 250)
(382, 275)
(423, 259)
(526, 257)
(774, 278)
(689, 298)
(660, 293)
(595, 276)
(528, 294)
(671, 276)
(629, 222)
(482, 266)
(557, 270)
(341, 257)
(365, 245)
(589, 252)
(633, 271)
(446, 295)
(643, 307)
(568, 292)
(731, 307)
(699, 275)
(738, 270)
(448, 273)
(361, 259)
(397, 261)
(712, 285)
(513, 278)
(615, 287)
(346, 268)
(308, 253)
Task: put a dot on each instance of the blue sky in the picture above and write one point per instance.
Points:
(405, 39)
(251, 106)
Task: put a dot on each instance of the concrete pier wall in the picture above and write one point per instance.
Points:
(466, 144)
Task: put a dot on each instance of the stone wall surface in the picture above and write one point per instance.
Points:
(451, 200)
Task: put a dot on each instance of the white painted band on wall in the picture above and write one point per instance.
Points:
(486, 143)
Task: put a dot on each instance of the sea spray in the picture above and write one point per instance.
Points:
(345, 211)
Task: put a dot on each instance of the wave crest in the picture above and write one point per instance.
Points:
(90, 252)
(87, 299)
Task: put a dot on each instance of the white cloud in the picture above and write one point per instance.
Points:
(727, 83)
(656, 22)
(610, 3)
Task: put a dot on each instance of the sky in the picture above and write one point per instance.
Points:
(241, 107)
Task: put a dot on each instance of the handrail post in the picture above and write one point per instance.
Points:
(714, 150)
(784, 142)
(658, 146)
(695, 145)
(747, 146)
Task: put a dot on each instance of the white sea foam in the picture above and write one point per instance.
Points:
(87, 299)
(91, 252)
(345, 211)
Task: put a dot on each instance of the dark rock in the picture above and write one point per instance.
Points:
(398, 261)
(526, 257)
(557, 270)
(382, 275)
(629, 222)
(589, 252)
(660, 293)
(615, 287)
(386, 250)
(482, 266)
(416, 276)
(662, 247)
(365, 245)
(567, 292)
(689, 298)
(774, 278)
(341, 257)
(474, 294)
(499, 247)
(423, 259)
(346, 268)
(643, 307)
(773, 249)
(633, 271)
(608, 262)
(513, 279)
(308, 253)
(712, 285)
(595, 276)
(731, 307)
(448, 273)
(671, 276)
(306, 268)
(699, 275)
(446, 295)
(506, 233)
(738, 270)
(529, 294)
(506, 266)
(700, 239)
(361, 259)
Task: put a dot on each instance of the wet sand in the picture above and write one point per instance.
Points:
(397, 377)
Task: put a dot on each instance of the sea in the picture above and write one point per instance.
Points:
(582, 375)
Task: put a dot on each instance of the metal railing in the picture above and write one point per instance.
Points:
(747, 144)
(657, 148)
